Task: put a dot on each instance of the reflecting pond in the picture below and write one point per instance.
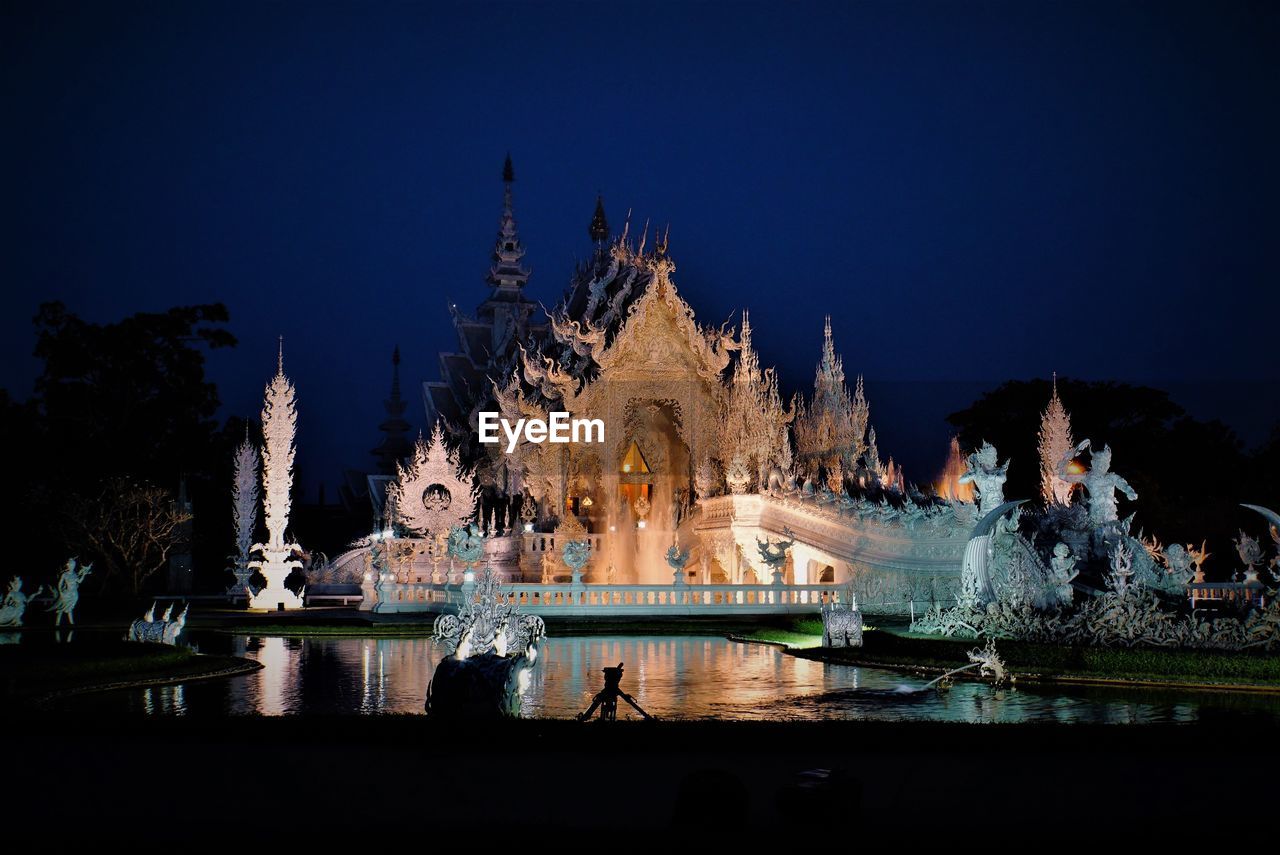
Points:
(670, 676)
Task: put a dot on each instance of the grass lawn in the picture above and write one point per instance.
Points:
(1030, 660)
(30, 670)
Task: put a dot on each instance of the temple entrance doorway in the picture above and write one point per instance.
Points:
(652, 473)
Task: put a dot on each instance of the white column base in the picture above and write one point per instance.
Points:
(273, 599)
(275, 568)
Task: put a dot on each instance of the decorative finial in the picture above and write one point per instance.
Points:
(395, 356)
(508, 173)
(280, 356)
(599, 227)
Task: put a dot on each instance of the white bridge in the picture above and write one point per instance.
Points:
(894, 560)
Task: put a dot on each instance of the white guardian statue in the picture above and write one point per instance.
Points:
(1100, 482)
(987, 474)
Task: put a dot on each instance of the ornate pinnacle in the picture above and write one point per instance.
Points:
(599, 227)
(395, 373)
(507, 272)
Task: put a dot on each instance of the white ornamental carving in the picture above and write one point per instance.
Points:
(434, 493)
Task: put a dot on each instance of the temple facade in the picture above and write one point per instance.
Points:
(701, 453)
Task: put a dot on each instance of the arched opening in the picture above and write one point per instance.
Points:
(634, 475)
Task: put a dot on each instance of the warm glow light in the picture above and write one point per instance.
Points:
(640, 524)
(528, 526)
(1075, 468)
(948, 485)
(586, 502)
(626, 467)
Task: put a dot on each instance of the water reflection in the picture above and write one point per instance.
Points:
(671, 677)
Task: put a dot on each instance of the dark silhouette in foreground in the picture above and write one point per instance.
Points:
(607, 698)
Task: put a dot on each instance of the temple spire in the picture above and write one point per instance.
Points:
(395, 445)
(507, 276)
(599, 228)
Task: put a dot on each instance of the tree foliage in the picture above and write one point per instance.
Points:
(129, 397)
(116, 403)
(130, 528)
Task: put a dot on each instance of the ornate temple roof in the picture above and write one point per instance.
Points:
(395, 445)
(508, 275)
(487, 341)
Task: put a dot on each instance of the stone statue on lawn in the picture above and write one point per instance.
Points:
(15, 603)
(67, 594)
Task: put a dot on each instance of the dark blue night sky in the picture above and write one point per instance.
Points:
(973, 191)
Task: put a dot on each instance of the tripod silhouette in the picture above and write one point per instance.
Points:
(607, 698)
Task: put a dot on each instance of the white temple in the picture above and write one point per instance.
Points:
(699, 450)
(709, 495)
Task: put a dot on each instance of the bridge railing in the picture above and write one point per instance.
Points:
(568, 599)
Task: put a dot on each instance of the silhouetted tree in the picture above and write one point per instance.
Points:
(118, 400)
(128, 527)
(129, 397)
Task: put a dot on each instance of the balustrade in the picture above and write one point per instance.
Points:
(613, 599)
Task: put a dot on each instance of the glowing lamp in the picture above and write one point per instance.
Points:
(528, 527)
(626, 467)
(640, 524)
(469, 576)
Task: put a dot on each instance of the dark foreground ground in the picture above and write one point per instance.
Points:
(250, 778)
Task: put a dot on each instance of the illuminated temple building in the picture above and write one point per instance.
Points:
(700, 450)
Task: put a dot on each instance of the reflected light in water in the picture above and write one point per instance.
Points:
(278, 668)
(671, 677)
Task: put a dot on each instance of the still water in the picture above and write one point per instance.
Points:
(671, 677)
